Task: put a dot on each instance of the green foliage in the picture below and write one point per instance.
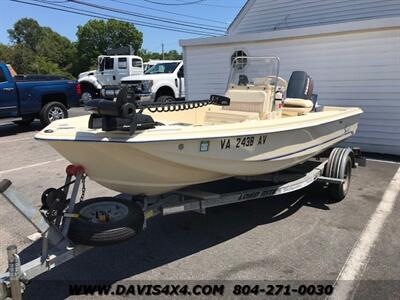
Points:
(21, 58)
(5, 53)
(26, 32)
(170, 55)
(96, 36)
(56, 48)
(38, 49)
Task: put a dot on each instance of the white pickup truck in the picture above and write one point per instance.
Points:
(164, 82)
(110, 69)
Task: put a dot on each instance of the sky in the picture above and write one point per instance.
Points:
(218, 13)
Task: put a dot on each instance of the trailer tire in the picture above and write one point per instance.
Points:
(86, 231)
(339, 166)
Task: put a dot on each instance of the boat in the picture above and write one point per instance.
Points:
(154, 148)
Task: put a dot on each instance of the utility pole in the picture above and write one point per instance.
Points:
(162, 50)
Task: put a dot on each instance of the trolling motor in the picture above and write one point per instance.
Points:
(118, 115)
(126, 113)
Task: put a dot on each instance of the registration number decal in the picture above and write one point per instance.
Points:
(243, 142)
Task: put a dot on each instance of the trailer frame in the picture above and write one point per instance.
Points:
(57, 248)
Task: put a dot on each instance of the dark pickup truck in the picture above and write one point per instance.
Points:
(36, 96)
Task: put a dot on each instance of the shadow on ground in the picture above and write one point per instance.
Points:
(166, 239)
(9, 129)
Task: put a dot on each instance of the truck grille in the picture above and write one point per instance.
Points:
(133, 82)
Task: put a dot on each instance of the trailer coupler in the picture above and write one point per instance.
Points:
(56, 247)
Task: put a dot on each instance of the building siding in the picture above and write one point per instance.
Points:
(352, 69)
(268, 15)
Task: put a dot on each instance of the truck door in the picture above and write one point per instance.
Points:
(8, 97)
(181, 82)
(122, 69)
(137, 66)
(107, 73)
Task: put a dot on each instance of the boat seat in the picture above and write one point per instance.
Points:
(296, 106)
(246, 104)
(230, 116)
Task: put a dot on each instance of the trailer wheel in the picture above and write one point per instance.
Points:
(339, 166)
(105, 221)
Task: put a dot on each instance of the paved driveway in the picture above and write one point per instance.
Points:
(299, 238)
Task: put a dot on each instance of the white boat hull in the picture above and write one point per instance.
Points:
(139, 167)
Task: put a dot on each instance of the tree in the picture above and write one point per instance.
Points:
(22, 59)
(26, 32)
(38, 49)
(170, 55)
(96, 36)
(5, 53)
(173, 55)
(56, 49)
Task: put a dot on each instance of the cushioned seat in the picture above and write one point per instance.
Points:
(295, 111)
(247, 103)
(295, 102)
(296, 106)
(299, 92)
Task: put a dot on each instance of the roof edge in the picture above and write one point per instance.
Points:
(372, 24)
(243, 11)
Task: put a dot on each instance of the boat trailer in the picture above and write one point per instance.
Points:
(58, 248)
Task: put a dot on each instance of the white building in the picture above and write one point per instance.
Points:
(351, 48)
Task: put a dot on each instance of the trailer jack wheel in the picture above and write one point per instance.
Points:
(105, 221)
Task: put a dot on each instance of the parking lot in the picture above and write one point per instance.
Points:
(299, 238)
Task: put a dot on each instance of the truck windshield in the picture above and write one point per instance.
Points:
(163, 68)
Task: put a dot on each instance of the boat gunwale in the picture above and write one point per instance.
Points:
(350, 112)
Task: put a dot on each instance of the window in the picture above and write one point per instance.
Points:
(122, 63)
(2, 77)
(239, 63)
(136, 63)
(106, 63)
(181, 72)
(166, 68)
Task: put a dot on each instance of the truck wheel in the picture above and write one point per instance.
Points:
(51, 112)
(105, 221)
(339, 166)
(25, 121)
(165, 99)
(88, 94)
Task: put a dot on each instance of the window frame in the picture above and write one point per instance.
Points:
(137, 60)
(240, 65)
(122, 60)
(107, 59)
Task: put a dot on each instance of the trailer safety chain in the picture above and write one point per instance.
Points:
(83, 187)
